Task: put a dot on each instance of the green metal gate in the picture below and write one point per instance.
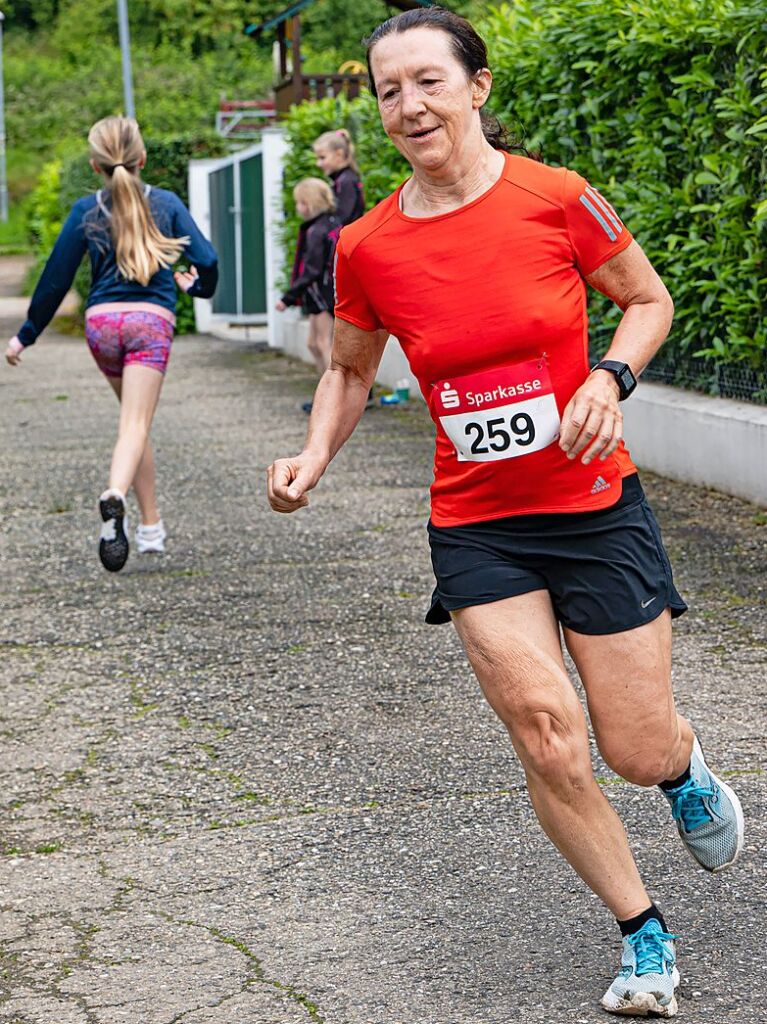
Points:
(237, 231)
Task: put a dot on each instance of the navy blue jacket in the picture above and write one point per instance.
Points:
(86, 229)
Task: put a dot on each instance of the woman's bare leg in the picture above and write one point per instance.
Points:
(514, 649)
(324, 337)
(314, 345)
(144, 482)
(627, 678)
(145, 487)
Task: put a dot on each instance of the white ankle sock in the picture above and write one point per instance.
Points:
(151, 527)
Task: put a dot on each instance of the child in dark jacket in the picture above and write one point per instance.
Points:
(311, 284)
(334, 152)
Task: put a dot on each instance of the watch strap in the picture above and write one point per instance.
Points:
(623, 374)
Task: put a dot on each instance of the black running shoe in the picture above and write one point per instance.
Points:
(113, 543)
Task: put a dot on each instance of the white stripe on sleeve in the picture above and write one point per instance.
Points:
(605, 207)
(597, 215)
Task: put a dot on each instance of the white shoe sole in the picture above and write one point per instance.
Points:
(739, 820)
(641, 1004)
(741, 825)
(151, 547)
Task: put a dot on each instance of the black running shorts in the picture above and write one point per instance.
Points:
(606, 571)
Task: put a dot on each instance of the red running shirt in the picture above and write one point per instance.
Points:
(489, 304)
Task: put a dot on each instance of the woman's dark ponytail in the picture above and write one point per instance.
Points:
(497, 135)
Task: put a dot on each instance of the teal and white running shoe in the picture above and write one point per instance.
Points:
(708, 815)
(648, 976)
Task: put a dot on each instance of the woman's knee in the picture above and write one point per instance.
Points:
(551, 746)
(536, 702)
(644, 766)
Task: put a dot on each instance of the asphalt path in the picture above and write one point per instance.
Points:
(243, 782)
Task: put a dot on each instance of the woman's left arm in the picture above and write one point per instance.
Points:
(199, 252)
(592, 422)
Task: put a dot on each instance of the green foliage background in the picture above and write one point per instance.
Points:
(63, 69)
(664, 106)
(660, 105)
(63, 72)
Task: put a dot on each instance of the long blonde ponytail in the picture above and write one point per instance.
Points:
(141, 249)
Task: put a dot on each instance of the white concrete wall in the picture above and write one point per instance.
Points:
(293, 330)
(715, 442)
(272, 148)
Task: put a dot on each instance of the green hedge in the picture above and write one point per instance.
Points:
(61, 183)
(662, 106)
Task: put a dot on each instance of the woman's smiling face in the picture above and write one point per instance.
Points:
(429, 105)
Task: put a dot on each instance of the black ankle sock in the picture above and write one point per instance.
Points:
(635, 923)
(676, 783)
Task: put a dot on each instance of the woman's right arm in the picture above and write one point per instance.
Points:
(339, 402)
(56, 278)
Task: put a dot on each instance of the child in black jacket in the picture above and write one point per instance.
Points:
(334, 152)
(311, 284)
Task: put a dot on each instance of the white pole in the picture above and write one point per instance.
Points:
(3, 173)
(274, 150)
(124, 29)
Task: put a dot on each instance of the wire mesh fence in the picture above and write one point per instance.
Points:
(736, 380)
(739, 381)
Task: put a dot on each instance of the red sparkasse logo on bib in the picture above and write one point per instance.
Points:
(493, 387)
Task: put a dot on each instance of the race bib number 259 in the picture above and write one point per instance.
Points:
(498, 414)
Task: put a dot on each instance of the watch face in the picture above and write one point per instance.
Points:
(627, 378)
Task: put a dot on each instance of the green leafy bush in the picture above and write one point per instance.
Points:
(61, 183)
(45, 212)
(663, 106)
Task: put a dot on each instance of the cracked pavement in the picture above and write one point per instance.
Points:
(243, 782)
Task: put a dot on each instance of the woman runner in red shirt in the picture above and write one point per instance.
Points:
(478, 264)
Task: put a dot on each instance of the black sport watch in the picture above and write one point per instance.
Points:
(622, 373)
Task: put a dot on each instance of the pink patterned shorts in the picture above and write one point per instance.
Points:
(118, 339)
